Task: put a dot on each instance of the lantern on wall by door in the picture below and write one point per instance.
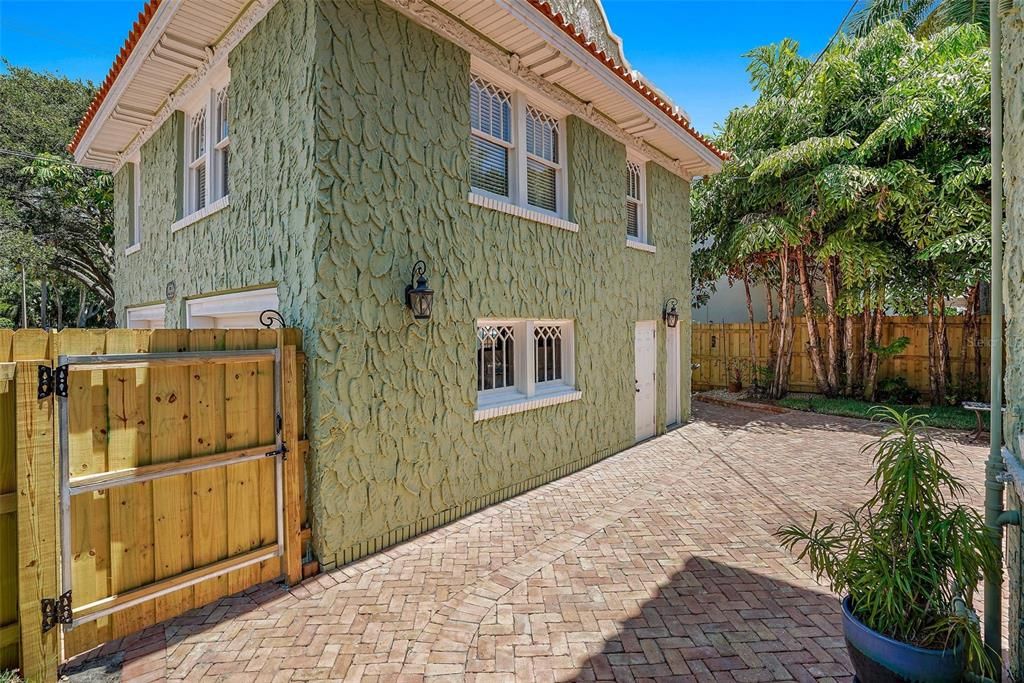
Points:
(671, 313)
(418, 295)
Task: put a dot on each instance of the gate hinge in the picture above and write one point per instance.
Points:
(56, 611)
(45, 386)
(52, 381)
(60, 381)
(280, 423)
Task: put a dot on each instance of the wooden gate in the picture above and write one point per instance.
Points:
(157, 471)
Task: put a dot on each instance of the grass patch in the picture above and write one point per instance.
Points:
(944, 417)
(9, 677)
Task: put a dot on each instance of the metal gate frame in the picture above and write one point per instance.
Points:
(60, 610)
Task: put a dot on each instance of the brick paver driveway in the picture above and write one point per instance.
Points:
(656, 563)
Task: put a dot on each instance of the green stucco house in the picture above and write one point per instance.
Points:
(304, 155)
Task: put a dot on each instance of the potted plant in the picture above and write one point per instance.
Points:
(906, 563)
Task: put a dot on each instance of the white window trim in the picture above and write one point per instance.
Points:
(641, 246)
(517, 196)
(643, 238)
(199, 215)
(204, 96)
(146, 314)
(489, 201)
(136, 227)
(205, 311)
(527, 393)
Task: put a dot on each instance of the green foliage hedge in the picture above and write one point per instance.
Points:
(945, 417)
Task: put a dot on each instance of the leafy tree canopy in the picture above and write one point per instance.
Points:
(869, 170)
(55, 217)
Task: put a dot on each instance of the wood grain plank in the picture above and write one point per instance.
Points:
(37, 524)
(209, 488)
(8, 520)
(267, 426)
(243, 480)
(90, 514)
(293, 485)
(170, 414)
(130, 507)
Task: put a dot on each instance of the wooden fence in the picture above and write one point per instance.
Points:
(716, 345)
(144, 542)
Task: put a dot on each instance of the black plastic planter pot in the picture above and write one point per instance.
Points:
(878, 659)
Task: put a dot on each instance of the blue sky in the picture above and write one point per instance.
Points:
(690, 48)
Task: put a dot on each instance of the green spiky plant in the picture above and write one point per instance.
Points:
(912, 551)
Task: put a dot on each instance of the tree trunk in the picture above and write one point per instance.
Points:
(813, 340)
(751, 340)
(784, 351)
(44, 303)
(849, 352)
(24, 299)
(865, 344)
(872, 359)
(770, 362)
(964, 380)
(933, 384)
(832, 325)
(83, 309)
(59, 301)
(943, 353)
(976, 336)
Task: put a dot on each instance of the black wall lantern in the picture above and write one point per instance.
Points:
(671, 314)
(418, 296)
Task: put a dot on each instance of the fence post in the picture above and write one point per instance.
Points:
(37, 522)
(292, 560)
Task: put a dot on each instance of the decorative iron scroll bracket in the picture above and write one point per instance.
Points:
(56, 611)
(269, 317)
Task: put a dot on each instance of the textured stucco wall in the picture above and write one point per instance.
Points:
(350, 150)
(392, 401)
(1013, 297)
(265, 236)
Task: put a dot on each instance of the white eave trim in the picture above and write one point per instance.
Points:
(150, 37)
(216, 59)
(555, 37)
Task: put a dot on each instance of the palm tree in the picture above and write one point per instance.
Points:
(923, 18)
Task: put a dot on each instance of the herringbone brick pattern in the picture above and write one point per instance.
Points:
(657, 563)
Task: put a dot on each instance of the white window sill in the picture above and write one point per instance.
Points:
(515, 210)
(132, 249)
(202, 213)
(641, 246)
(520, 403)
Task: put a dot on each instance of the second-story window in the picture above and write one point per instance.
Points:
(490, 156)
(516, 149)
(636, 209)
(206, 148)
(542, 169)
(197, 158)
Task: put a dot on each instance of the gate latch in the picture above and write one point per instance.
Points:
(283, 452)
(56, 611)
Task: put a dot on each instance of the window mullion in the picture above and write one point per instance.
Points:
(528, 375)
(519, 145)
(211, 123)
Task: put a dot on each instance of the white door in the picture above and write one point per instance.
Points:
(672, 412)
(646, 398)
